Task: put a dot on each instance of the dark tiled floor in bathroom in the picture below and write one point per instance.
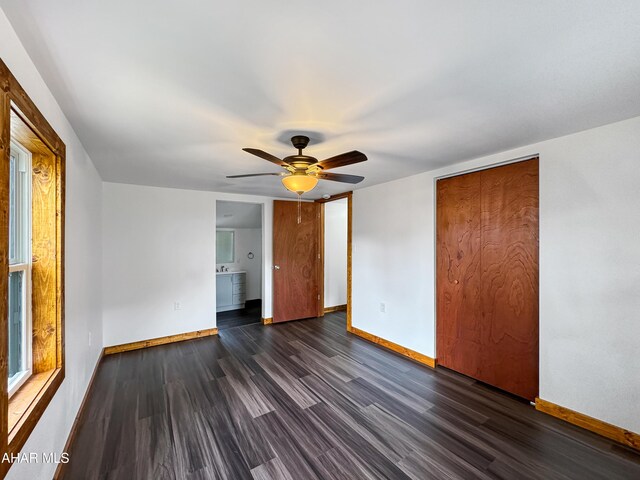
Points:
(252, 313)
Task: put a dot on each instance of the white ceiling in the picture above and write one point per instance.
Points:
(238, 215)
(167, 93)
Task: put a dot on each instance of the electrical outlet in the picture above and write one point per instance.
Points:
(383, 307)
(177, 306)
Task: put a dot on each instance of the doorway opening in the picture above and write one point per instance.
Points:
(336, 220)
(335, 256)
(239, 263)
(312, 259)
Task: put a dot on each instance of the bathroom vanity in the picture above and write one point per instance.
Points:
(231, 290)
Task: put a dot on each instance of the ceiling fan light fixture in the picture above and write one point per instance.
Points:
(300, 183)
(303, 171)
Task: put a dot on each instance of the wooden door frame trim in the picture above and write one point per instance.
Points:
(322, 201)
(489, 166)
(320, 271)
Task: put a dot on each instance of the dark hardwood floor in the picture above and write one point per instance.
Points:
(252, 313)
(304, 400)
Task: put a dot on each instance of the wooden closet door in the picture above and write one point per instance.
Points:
(487, 324)
(458, 289)
(510, 278)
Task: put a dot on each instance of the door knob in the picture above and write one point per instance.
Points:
(276, 267)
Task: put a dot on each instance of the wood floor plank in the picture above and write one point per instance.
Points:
(315, 362)
(307, 400)
(351, 414)
(220, 445)
(154, 447)
(390, 386)
(239, 379)
(253, 445)
(297, 459)
(339, 466)
(375, 463)
(296, 419)
(274, 469)
(292, 386)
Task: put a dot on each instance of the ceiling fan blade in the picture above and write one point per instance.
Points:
(256, 175)
(266, 156)
(342, 160)
(341, 177)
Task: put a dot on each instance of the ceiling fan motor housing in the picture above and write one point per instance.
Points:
(300, 141)
(300, 161)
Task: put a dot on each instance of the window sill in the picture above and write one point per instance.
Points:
(28, 404)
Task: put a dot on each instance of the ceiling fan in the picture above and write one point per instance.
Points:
(303, 171)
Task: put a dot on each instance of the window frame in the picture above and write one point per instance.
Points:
(20, 413)
(24, 219)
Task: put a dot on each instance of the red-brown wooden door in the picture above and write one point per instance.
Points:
(459, 302)
(487, 276)
(296, 263)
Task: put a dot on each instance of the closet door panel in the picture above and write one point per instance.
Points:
(509, 260)
(459, 309)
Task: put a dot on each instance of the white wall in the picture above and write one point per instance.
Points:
(589, 266)
(83, 315)
(158, 249)
(155, 254)
(392, 262)
(335, 253)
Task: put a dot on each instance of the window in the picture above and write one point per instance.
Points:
(32, 208)
(225, 246)
(19, 318)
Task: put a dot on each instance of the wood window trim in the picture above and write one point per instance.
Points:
(20, 414)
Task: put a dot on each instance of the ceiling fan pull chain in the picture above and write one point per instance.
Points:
(299, 208)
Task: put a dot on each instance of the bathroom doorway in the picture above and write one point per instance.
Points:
(239, 272)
